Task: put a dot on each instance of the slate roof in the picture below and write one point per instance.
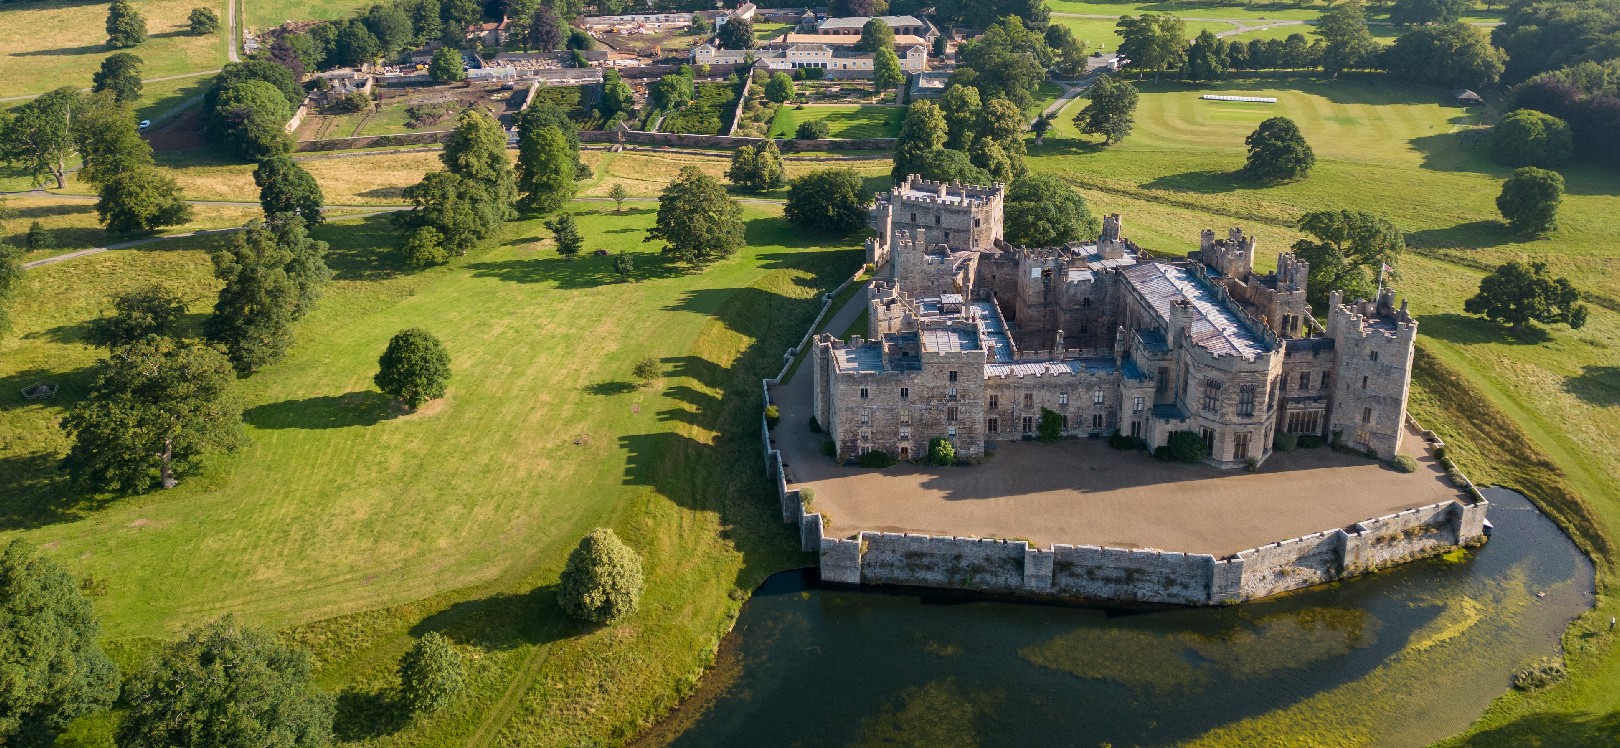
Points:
(1215, 328)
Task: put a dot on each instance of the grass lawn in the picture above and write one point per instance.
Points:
(765, 31)
(1540, 414)
(73, 224)
(645, 173)
(353, 527)
(264, 14)
(842, 121)
(37, 60)
(1099, 33)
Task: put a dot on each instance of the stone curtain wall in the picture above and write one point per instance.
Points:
(731, 142)
(372, 141)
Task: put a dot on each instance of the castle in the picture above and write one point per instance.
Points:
(974, 340)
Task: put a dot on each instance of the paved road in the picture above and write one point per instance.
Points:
(231, 11)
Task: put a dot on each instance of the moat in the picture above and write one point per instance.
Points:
(1399, 658)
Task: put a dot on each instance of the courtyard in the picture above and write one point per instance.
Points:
(1082, 492)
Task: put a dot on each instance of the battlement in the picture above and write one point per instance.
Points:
(1365, 318)
(918, 191)
(1232, 257)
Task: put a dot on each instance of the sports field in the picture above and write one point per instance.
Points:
(842, 121)
(51, 44)
(1539, 413)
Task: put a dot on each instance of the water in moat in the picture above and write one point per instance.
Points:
(1398, 658)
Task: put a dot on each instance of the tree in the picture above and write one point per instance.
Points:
(545, 30)
(461, 210)
(1278, 152)
(203, 21)
(147, 310)
(1008, 60)
(284, 187)
(107, 138)
(424, 248)
(1111, 111)
(941, 452)
(414, 369)
(251, 116)
(226, 684)
(391, 26)
(671, 91)
(779, 88)
(924, 131)
(618, 194)
(737, 33)
(603, 581)
(476, 151)
(961, 106)
(566, 231)
(447, 66)
(876, 36)
(126, 27)
(815, 129)
(120, 74)
(623, 265)
(1069, 51)
(1529, 138)
(38, 139)
(1530, 200)
(37, 238)
(307, 269)
(431, 674)
(988, 155)
(830, 200)
(617, 95)
(355, 45)
(141, 200)
(1517, 293)
(55, 669)
(946, 165)
(273, 274)
(646, 369)
(1543, 36)
(886, 70)
(1040, 126)
(1454, 55)
(1348, 42)
(545, 169)
(1349, 250)
(697, 221)
(1421, 12)
(1153, 41)
(1044, 211)
(1206, 58)
(154, 408)
(757, 168)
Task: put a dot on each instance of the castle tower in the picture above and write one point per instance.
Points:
(962, 217)
(1373, 343)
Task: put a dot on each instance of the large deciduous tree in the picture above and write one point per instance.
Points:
(1153, 41)
(226, 684)
(1110, 110)
(414, 369)
(779, 88)
(120, 74)
(1530, 199)
(757, 168)
(431, 674)
(924, 131)
(1206, 58)
(617, 96)
(1421, 12)
(1278, 152)
(1044, 211)
(946, 165)
(1349, 44)
(273, 274)
(460, 209)
(154, 408)
(876, 35)
(1526, 137)
(1069, 51)
(1517, 293)
(1453, 55)
(476, 150)
(284, 187)
(886, 70)
(126, 27)
(148, 310)
(697, 221)
(1349, 250)
(38, 139)
(737, 33)
(251, 116)
(830, 200)
(447, 66)
(107, 138)
(545, 168)
(202, 20)
(603, 581)
(139, 200)
(54, 668)
(1008, 60)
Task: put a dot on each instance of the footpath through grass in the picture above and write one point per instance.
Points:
(1539, 413)
(355, 527)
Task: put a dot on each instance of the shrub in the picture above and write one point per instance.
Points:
(1440, 454)
(1456, 477)
(829, 449)
(1051, 428)
(1251, 465)
(1122, 442)
(603, 580)
(1403, 464)
(807, 497)
(876, 458)
(431, 674)
(1310, 441)
(1544, 673)
(1183, 446)
(815, 425)
(646, 369)
(813, 130)
(1372, 454)
(941, 452)
(1284, 442)
(772, 415)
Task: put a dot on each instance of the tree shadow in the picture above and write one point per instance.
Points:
(1458, 151)
(1466, 329)
(360, 249)
(1598, 385)
(580, 272)
(62, 51)
(370, 714)
(359, 408)
(1560, 729)
(1204, 182)
(1470, 235)
(610, 388)
(397, 193)
(500, 622)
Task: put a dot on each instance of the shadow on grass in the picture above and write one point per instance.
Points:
(1598, 385)
(588, 271)
(1560, 729)
(398, 193)
(360, 408)
(1464, 329)
(361, 249)
(501, 621)
(63, 51)
(365, 715)
(1470, 235)
(1204, 182)
(610, 388)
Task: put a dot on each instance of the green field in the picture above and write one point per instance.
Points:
(263, 14)
(1288, 10)
(50, 44)
(1099, 33)
(842, 121)
(1539, 414)
(351, 525)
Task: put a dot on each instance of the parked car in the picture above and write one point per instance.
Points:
(145, 123)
